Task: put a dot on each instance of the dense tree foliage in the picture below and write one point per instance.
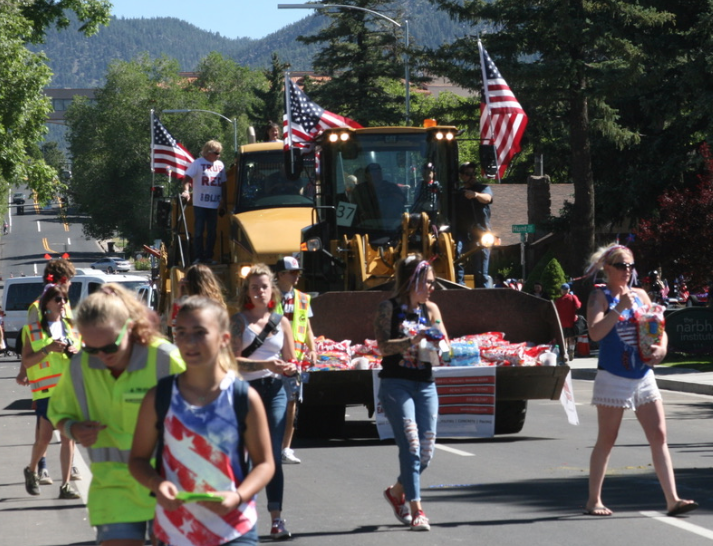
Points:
(678, 236)
(601, 83)
(360, 53)
(24, 74)
(110, 138)
(271, 100)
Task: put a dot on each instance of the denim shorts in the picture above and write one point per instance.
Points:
(135, 530)
(41, 407)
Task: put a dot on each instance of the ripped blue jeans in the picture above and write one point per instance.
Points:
(411, 408)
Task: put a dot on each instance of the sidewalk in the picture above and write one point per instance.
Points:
(671, 379)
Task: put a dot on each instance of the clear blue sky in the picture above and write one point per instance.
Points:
(231, 18)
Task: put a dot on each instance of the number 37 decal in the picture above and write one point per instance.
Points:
(345, 213)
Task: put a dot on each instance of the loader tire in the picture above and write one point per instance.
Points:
(510, 416)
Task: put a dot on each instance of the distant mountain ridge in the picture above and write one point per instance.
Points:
(79, 62)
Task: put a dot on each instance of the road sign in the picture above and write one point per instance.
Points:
(523, 228)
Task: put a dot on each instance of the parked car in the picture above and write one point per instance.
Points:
(18, 199)
(112, 264)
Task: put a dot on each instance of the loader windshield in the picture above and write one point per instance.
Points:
(262, 183)
(372, 179)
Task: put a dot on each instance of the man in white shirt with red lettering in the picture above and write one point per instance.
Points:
(207, 174)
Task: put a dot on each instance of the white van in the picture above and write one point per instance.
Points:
(20, 292)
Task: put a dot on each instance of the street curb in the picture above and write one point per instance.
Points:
(666, 384)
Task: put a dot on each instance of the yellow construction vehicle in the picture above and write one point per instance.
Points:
(368, 204)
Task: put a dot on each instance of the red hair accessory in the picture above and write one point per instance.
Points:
(50, 278)
(63, 280)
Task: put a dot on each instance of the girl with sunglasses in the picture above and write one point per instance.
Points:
(202, 410)
(407, 390)
(97, 403)
(624, 380)
(48, 346)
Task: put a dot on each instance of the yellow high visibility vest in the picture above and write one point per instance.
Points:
(300, 321)
(45, 375)
(88, 391)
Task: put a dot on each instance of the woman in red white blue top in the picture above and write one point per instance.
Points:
(200, 453)
(624, 380)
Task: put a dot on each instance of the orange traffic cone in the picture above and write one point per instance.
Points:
(583, 346)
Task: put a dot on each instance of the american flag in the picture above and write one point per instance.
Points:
(168, 156)
(305, 120)
(502, 119)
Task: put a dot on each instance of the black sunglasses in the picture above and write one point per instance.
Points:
(60, 299)
(621, 266)
(112, 347)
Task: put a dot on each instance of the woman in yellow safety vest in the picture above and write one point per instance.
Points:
(47, 349)
(97, 404)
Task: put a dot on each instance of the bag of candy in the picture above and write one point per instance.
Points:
(650, 326)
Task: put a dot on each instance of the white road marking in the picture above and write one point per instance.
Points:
(454, 451)
(681, 524)
(38, 226)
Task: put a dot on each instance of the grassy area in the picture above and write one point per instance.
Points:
(702, 363)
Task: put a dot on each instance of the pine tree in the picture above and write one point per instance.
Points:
(361, 53)
(271, 106)
(566, 61)
(552, 279)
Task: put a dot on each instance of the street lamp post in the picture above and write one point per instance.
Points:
(389, 19)
(234, 121)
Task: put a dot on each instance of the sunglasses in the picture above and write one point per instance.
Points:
(60, 299)
(621, 266)
(216, 153)
(112, 347)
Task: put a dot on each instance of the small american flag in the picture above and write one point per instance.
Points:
(305, 120)
(168, 156)
(502, 119)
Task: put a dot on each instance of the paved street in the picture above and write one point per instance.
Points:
(528, 488)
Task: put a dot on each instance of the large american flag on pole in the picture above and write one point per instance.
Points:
(167, 155)
(305, 120)
(502, 119)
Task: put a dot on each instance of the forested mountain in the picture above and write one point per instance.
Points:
(78, 61)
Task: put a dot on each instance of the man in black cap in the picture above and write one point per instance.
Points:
(472, 212)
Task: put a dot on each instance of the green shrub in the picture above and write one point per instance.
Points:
(552, 278)
(142, 264)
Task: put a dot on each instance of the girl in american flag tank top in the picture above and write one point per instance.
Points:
(200, 453)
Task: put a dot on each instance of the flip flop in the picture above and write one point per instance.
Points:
(598, 511)
(682, 507)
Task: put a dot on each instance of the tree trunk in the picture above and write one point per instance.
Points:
(582, 227)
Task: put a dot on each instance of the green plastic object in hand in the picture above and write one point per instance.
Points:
(185, 496)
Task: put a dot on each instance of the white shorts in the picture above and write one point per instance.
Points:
(622, 392)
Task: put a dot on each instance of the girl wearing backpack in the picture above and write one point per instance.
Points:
(201, 445)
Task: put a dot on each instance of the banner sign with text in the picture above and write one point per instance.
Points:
(466, 403)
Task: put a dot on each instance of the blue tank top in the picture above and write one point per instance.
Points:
(619, 349)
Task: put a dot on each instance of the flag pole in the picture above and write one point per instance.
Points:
(153, 175)
(487, 105)
(288, 112)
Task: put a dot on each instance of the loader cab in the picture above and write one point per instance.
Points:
(262, 182)
(368, 179)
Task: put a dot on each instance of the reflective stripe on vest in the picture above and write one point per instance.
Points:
(109, 455)
(300, 319)
(48, 382)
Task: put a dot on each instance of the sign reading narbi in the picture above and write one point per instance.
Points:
(690, 330)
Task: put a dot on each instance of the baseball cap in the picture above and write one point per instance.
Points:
(288, 263)
(564, 286)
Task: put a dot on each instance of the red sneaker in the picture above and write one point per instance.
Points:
(399, 507)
